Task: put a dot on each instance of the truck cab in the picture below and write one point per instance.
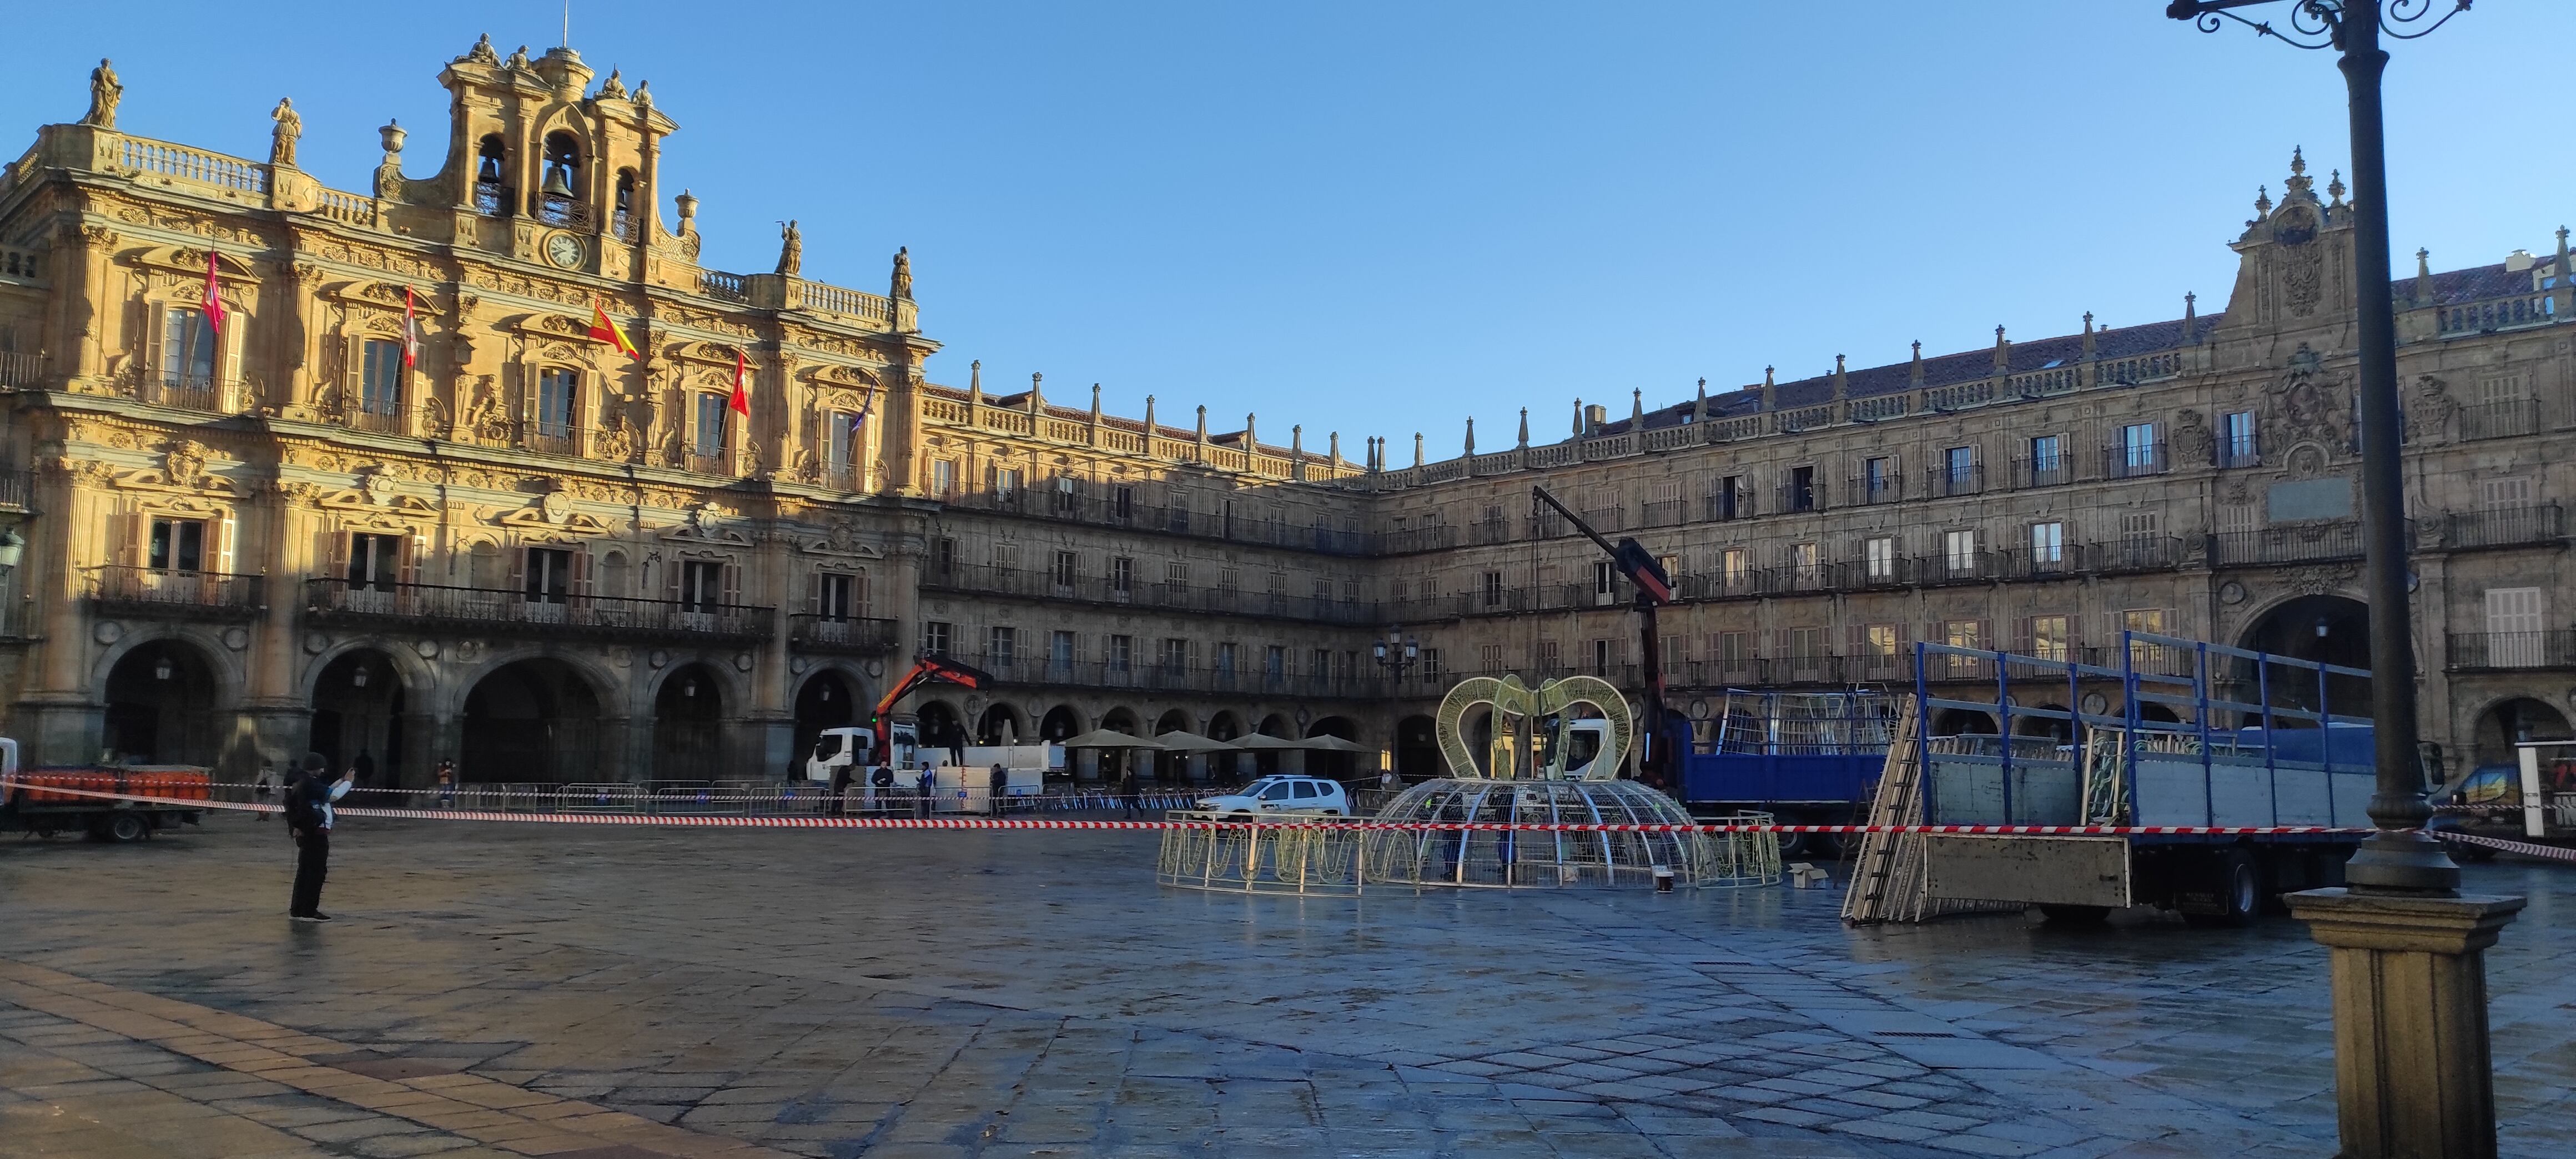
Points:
(1574, 751)
(854, 748)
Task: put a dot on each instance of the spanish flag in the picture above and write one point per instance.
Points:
(606, 331)
(741, 400)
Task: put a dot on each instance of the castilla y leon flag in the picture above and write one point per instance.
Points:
(411, 332)
(214, 297)
(741, 401)
(606, 331)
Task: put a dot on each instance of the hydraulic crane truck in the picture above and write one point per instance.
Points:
(856, 749)
(1667, 734)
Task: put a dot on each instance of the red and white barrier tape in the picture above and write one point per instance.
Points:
(685, 820)
(2527, 849)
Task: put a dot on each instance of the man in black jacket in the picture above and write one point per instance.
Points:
(308, 820)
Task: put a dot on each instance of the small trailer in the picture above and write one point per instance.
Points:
(46, 802)
(2201, 736)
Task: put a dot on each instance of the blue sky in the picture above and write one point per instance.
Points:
(1384, 217)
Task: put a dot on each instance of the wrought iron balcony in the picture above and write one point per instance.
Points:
(2134, 460)
(2051, 471)
(858, 635)
(1955, 479)
(2134, 553)
(2498, 651)
(212, 394)
(1160, 676)
(485, 610)
(2301, 543)
(2503, 527)
(170, 593)
(16, 486)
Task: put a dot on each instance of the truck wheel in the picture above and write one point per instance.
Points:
(2075, 915)
(126, 825)
(1794, 844)
(2238, 888)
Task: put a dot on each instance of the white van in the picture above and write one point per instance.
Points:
(1284, 794)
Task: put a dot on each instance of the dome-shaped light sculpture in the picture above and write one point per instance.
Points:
(1559, 858)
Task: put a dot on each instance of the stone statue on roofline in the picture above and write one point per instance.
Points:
(281, 141)
(104, 92)
(901, 290)
(791, 248)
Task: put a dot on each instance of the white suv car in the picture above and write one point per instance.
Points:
(1286, 794)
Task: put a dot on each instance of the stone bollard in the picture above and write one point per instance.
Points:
(2413, 1076)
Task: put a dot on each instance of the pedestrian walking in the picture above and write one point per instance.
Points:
(263, 788)
(308, 821)
(1132, 794)
(446, 784)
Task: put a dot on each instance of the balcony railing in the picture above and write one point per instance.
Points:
(1882, 489)
(547, 438)
(2507, 650)
(1001, 580)
(21, 368)
(198, 392)
(1661, 513)
(1963, 479)
(492, 199)
(2053, 471)
(1957, 568)
(2134, 460)
(2501, 419)
(1887, 572)
(2503, 527)
(1724, 508)
(328, 598)
(1796, 497)
(2297, 544)
(2232, 453)
(148, 591)
(2027, 564)
(15, 488)
(2134, 553)
(814, 632)
(1161, 676)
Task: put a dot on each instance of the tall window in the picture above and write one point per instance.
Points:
(1122, 575)
(1958, 469)
(2236, 439)
(2047, 542)
(1067, 496)
(2138, 449)
(1882, 640)
(1960, 550)
(2048, 637)
(1274, 661)
(710, 432)
(837, 596)
(558, 393)
(1878, 478)
(178, 545)
(1122, 502)
(1492, 587)
(1878, 555)
(373, 561)
(845, 440)
(1006, 485)
(187, 349)
(1002, 646)
(936, 636)
(1802, 489)
(1728, 499)
(1122, 653)
(2047, 460)
(549, 575)
(1804, 564)
(1066, 565)
(1175, 654)
(1060, 650)
(1225, 659)
(2515, 622)
(701, 585)
(380, 382)
(943, 478)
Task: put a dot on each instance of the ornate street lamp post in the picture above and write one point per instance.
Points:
(2413, 1072)
(2400, 857)
(1395, 655)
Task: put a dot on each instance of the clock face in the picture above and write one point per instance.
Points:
(563, 249)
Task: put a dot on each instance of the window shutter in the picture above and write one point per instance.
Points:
(519, 569)
(156, 322)
(336, 550)
(126, 530)
(733, 584)
(414, 553)
(232, 397)
(224, 544)
(814, 592)
(862, 598)
(582, 572)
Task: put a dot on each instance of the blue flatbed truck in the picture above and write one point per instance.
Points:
(2177, 733)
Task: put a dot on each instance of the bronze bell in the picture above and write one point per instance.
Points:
(556, 183)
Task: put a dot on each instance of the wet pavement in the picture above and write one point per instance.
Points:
(608, 993)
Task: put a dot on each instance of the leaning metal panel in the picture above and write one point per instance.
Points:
(1525, 858)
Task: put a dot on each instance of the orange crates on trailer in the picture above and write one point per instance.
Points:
(46, 786)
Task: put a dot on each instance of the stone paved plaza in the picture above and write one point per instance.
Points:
(627, 993)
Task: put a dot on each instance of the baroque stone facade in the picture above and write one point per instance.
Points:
(401, 502)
